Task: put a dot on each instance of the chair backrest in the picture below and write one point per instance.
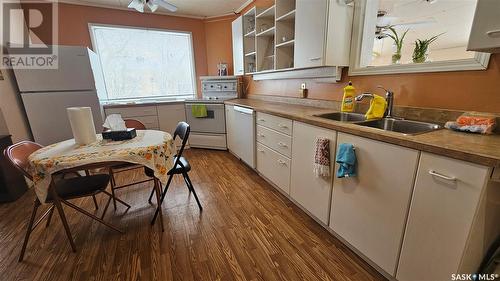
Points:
(182, 131)
(135, 124)
(18, 155)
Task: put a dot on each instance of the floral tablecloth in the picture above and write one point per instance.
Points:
(153, 149)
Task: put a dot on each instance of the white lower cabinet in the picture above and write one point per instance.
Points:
(312, 192)
(274, 166)
(169, 115)
(446, 197)
(369, 211)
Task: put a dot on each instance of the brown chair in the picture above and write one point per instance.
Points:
(60, 191)
(138, 125)
(181, 167)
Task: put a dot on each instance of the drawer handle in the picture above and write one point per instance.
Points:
(281, 162)
(315, 59)
(282, 144)
(283, 126)
(261, 135)
(261, 151)
(493, 33)
(436, 174)
(262, 120)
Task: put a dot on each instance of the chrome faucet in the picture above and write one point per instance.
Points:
(389, 97)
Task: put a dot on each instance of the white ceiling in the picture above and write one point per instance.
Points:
(195, 8)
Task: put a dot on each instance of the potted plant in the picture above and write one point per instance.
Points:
(398, 43)
(421, 51)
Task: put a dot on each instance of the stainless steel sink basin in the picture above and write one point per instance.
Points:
(343, 116)
(406, 127)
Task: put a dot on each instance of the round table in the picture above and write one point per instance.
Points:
(152, 149)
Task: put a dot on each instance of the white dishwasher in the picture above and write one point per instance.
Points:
(244, 138)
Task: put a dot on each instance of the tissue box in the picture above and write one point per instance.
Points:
(119, 135)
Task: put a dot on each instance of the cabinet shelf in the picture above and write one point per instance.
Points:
(250, 34)
(286, 44)
(267, 13)
(267, 32)
(288, 16)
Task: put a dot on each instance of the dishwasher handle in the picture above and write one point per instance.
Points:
(243, 110)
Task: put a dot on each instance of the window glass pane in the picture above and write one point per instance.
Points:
(139, 63)
(450, 20)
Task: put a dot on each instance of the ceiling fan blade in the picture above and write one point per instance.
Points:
(137, 5)
(153, 7)
(166, 5)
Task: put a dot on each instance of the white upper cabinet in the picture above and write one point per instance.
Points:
(310, 31)
(238, 56)
(322, 33)
(445, 200)
(485, 32)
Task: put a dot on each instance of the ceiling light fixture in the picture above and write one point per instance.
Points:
(153, 5)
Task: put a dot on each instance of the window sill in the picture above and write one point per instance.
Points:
(141, 102)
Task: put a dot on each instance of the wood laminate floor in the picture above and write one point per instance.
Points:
(247, 231)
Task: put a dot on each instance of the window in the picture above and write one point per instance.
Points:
(409, 36)
(145, 63)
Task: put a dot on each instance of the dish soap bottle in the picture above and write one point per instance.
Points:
(348, 100)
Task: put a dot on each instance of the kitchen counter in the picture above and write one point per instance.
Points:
(479, 149)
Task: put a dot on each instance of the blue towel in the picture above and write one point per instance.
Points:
(346, 157)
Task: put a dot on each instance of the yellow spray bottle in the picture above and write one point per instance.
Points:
(348, 100)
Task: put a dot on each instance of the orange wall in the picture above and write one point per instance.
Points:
(74, 20)
(218, 34)
(463, 90)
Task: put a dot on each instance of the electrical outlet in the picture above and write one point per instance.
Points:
(303, 90)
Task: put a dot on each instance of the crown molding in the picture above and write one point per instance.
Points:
(80, 3)
(242, 7)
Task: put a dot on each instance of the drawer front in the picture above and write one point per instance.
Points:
(444, 203)
(151, 122)
(208, 141)
(133, 111)
(274, 167)
(277, 141)
(279, 124)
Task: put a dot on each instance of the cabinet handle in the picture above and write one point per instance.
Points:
(261, 135)
(282, 144)
(283, 126)
(262, 120)
(261, 151)
(436, 174)
(281, 162)
(493, 33)
(315, 59)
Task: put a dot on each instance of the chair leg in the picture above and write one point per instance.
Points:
(151, 196)
(110, 197)
(162, 198)
(113, 184)
(95, 202)
(60, 210)
(49, 219)
(69, 204)
(29, 229)
(187, 183)
(191, 187)
(157, 188)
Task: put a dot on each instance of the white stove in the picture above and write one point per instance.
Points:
(210, 131)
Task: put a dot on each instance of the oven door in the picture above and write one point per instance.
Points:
(214, 123)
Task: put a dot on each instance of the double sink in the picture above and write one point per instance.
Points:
(406, 127)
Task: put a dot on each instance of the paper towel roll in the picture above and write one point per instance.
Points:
(82, 125)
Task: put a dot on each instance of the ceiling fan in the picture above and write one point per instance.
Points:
(153, 5)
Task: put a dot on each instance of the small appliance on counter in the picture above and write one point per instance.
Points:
(209, 131)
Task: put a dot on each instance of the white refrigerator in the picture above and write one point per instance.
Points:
(46, 93)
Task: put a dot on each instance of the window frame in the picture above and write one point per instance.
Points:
(193, 60)
(479, 62)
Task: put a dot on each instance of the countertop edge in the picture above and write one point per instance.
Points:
(388, 137)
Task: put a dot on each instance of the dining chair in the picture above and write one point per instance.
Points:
(60, 191)
(138, 125)
(181, 167)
